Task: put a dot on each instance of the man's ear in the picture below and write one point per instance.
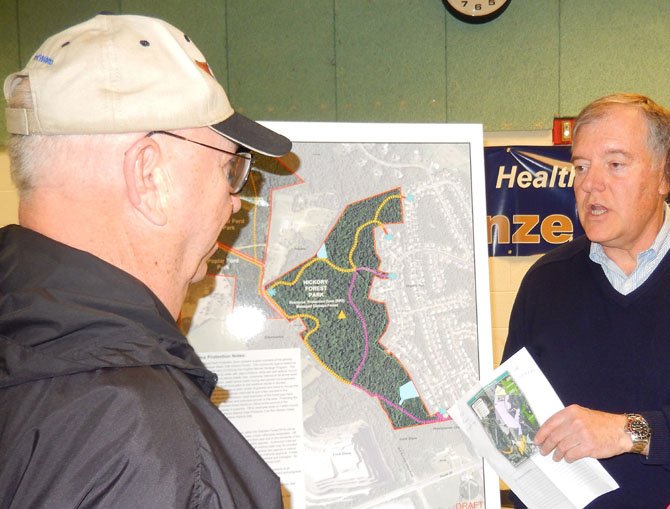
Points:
(665, 186)
(146, 180)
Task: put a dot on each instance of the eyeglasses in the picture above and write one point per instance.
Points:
(238, 168)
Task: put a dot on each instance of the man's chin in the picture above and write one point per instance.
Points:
(595, 232)
(202, 269)
(200, 273)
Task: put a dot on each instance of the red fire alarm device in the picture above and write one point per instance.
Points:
(562, 131)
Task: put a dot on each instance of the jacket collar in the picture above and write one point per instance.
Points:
(64, 311)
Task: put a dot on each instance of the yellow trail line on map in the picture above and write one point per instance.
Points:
(254, 233)
(375, 221)
(311, 350)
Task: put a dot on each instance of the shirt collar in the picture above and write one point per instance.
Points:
(598, 255)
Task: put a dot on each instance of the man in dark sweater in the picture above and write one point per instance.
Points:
(594, 313)
(126, 154)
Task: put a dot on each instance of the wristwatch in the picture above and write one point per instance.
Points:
(640, 432)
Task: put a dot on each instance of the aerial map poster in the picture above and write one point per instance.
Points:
(348, 307)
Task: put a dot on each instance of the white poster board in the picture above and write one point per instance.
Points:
(365, 248)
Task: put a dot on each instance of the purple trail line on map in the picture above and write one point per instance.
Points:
(367, 349)
(399, 408)
(360, 316)
(363, 324)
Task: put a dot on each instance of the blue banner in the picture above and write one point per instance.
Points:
(529, 199)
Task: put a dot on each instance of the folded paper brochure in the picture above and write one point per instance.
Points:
(501, 415)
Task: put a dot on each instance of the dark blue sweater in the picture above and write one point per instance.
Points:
(605, 351)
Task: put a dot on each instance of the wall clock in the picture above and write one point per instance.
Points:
(476, 11)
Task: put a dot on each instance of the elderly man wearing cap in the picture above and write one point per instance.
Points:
(128, 158)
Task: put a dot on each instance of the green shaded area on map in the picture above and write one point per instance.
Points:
(330, 293)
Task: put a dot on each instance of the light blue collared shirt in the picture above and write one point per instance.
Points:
(647, 261)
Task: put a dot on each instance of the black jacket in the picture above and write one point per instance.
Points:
(103, 403)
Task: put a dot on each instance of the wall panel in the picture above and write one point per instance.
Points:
(613, 46)
(390, 60)
(281, 59)
(396, 60)
(9, 42)
(504, 73)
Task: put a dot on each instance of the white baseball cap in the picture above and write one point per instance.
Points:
(124, 73)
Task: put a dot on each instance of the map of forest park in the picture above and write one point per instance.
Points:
(356, 260)
(344, 327)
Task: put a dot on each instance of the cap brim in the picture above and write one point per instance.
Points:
(250, 134)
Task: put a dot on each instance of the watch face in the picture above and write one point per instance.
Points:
(476, 11)
(638, 427)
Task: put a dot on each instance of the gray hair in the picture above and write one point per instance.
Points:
(27, 154)
(657, 117)
(30, 156)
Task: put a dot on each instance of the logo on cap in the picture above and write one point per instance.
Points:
(205, 67)
(44, 59)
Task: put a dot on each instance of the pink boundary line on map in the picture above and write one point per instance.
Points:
(367, 350)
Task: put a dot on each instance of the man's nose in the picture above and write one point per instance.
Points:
(237, 203)
(594, 179)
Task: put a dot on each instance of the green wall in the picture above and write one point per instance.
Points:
(396, 60)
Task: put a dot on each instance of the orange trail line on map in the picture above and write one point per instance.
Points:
(240, 254)
(254, 218)
(260, 263)
(251, 260)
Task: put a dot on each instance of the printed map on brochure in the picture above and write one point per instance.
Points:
(361, 255)
(507, 418)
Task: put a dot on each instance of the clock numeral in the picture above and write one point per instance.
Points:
(477, 11)
(478, 7)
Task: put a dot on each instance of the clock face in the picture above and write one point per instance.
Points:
(476, 11)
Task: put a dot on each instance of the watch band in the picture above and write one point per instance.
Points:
(640, 432)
